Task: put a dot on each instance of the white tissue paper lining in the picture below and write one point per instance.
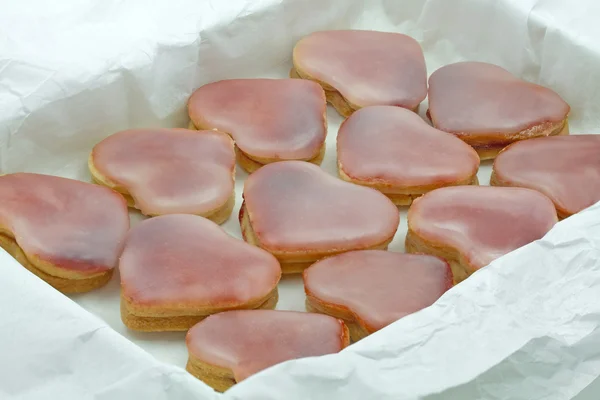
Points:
(72, 73)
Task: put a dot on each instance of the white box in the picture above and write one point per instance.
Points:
(71, 73)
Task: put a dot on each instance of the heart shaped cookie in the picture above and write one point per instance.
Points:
(566, 169)
(68, 233)
(300, 214)
(471, 226)
(489, 108)
(363, 68)
(177, 269)
(169, 171)
(394, 151)
(269, 119)
(228, 347)
(370, 289)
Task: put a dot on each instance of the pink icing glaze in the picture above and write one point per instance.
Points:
(268, 118)
(395, 146)
(170, 171)
(188, 260)
(378, 286)
(296, 206)
(482, 222)
(479, 98)
(564, 168)
(249, 341)
(73, 225)
(366, 67)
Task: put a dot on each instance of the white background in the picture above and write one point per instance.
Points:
(74, 72)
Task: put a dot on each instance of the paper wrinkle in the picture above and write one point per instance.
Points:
(525, 327)
(524, 351)
(157, 382)
(52, 348)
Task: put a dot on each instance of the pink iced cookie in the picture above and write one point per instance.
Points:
(229, 347)
(394, 151)
(269, 119)
(363, 68)
(300, 214)
(489, 108)
(67, 232)
(178, 269)
(169, 171)
(566, 169)
(370, 289)
(471, 226)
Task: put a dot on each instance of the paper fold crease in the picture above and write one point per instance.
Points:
(72, 73)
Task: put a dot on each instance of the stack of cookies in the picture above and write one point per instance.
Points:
(180, 271)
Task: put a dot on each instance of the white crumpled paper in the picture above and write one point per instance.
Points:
(73, 72)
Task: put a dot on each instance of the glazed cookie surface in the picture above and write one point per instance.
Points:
(169, 171)
(471, 226)
(344, 61)
(269, 119)
(229, 347)
(566, 169)
(489, 108)
(177, 269)
(394, 151)
(370, 289)
(300, 214)
(67, 232)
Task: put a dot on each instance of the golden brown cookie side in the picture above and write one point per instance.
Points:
(355, 329)
(64, 285)
(488, 146)
(218, 215)
(333, 96)
(148, 323)
(495, 180)
(251, 164)
(490, 152)
(218, 378)
(295, 262)
(403, 196)
(460, 268)
(168, 310)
